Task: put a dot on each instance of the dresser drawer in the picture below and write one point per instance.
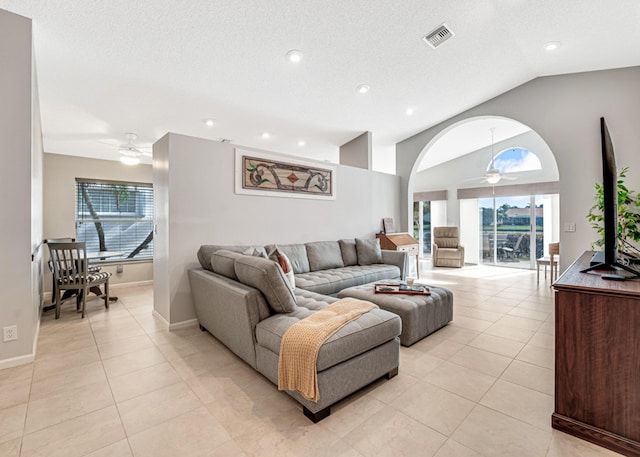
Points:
(411, 249)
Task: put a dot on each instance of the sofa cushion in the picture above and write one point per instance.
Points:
(358, 336)
(206, 250)
(323, 255)
(266, 276)
(369, 251)
(348, 251)
(446, 253)
(297, 254)
(223, 262)
(334, 280)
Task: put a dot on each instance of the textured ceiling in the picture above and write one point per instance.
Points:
(110, 67)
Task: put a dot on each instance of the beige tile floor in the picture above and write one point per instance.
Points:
(118, 384)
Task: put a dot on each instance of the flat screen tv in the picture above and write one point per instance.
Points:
(608, 259)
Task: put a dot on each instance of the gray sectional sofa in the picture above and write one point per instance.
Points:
(246, 302)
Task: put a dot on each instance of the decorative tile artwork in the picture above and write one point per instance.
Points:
(267, 174)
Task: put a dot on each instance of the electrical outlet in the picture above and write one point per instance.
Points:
(119, 268)
(570, 227)
(10, 333)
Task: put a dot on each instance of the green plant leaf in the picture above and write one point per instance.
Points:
(628, 214)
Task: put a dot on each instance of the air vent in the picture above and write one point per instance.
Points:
(438, 36)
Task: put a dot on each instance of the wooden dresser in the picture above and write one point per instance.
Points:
(597, 376)
(401, 242)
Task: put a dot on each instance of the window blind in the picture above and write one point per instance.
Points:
(115, 216)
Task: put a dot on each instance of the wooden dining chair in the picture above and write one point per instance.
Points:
(69, 293)
(552, 260)
(71, 272)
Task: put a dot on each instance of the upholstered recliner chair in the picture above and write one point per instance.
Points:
(447, 250)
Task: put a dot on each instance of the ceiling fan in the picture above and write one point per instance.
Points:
(493, 175)
(130, 153)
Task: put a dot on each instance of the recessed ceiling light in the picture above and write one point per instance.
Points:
(266, 135)
(209, 122)
(409, 111)
(363, 88)
(294, 56)
(551, 46)
(301, 143)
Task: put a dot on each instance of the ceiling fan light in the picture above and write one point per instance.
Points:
(127, 160)
(493, 179)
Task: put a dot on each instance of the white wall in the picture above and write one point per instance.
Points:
(60, 173)
(470, 230)
(196, 176)
(19, 199)
(564, 110)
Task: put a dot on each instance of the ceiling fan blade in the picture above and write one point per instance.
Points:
(112, 143)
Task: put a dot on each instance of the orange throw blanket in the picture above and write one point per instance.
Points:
(301, 344)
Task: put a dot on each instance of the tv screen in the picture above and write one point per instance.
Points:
(608, 258)
(610, 195)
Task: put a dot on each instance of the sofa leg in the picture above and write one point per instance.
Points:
(202, 328)
(392, 373)
(317, 417)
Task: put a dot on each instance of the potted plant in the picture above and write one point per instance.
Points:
(628, 213)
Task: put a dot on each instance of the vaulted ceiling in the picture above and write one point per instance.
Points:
(110, 67)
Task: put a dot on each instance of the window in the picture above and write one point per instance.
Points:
(115, 216)
(516, 159)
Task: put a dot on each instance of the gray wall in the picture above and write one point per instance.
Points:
(357, 152)
(564, 110)
(20, 196)
(194, 185)
(60, 173)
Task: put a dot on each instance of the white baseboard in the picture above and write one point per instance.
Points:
(23, 359)
(15, 361)
(165, 322)
(147, 282)
(183, 324)
(177, 325)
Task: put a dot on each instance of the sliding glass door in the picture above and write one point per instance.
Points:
(422, 226)
(511, 230)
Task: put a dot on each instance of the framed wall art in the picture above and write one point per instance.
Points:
(260, 173)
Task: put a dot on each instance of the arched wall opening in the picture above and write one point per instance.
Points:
(454, 166)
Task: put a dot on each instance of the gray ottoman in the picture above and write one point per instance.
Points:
(420, 314)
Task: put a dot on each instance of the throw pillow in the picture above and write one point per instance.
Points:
(255, 252)
(285, 264)
(268, 278)
(324, 255)
(349, 253)
(368, 251)
(297, 254)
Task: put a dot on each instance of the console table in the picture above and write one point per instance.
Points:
(597, 376)
(401, 242)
